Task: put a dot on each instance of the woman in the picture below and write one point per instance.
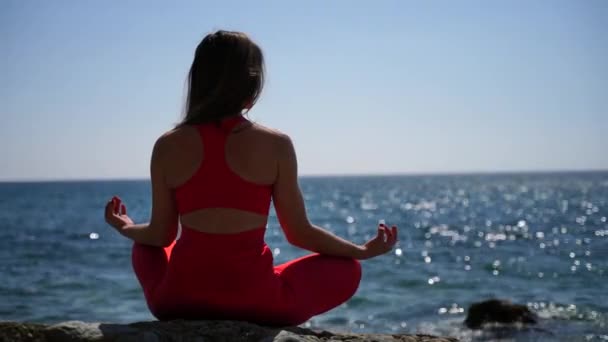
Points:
(216, 173)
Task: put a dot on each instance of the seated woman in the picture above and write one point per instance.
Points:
(216, 173)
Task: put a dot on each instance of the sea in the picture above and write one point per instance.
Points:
(537, 239)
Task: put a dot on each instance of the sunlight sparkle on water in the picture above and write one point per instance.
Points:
(453, 310)
(434, 280)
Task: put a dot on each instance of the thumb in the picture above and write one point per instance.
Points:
(109, 210)
(381, 232)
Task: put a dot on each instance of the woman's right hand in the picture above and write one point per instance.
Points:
(382, 243)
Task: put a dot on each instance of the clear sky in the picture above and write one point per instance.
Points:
(362, 87)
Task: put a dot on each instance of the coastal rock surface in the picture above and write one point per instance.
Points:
(182, 331)
(498, 311)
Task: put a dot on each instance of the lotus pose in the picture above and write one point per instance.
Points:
(216, 173)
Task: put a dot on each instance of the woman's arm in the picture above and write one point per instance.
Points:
(162, 228)
(291, 212)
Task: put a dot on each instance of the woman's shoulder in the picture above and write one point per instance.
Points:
(180, 136)
(174, 138)
(282, 143)
(278, 138)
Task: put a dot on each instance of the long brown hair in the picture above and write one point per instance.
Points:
(226, 77)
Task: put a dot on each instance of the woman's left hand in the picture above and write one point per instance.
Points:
(116, 214)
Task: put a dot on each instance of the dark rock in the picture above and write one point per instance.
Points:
(498, 311)
(11, 331)
(185, 331)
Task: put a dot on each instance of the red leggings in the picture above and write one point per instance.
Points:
(231, 276)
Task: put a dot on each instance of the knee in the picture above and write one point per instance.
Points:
(350, 272)
(141, 251)
(353, 267)
(347, 278)
(139, 248)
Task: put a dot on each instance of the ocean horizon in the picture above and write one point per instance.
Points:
(329, 175)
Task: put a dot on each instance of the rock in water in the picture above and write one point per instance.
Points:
(498, 311)
(184, 331)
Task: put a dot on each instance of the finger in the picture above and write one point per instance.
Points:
(123, 209)
(109, 209)
(118, 203)
(389, 234)
(395, 234)
(385, 235)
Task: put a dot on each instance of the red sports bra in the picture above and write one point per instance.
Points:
(214, 184)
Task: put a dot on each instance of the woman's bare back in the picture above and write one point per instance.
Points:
(251, 152)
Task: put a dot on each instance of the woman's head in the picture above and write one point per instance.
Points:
(226, 77)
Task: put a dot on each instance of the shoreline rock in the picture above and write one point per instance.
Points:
(182, 331)
(500, 311)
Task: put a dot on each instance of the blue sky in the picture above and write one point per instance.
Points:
(361, 86)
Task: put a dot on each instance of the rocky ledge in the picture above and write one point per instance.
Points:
(182, 331)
